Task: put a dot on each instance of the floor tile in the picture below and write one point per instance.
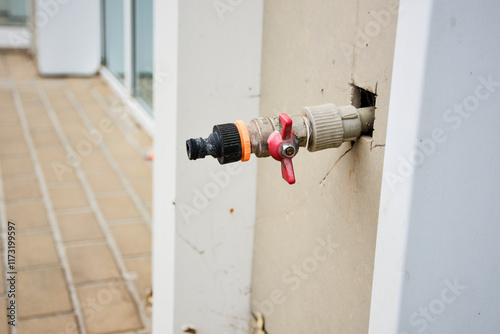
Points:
(132, 238)
(27, 215)
(144, 139)
(149, 207)
(60, 102)
(72, 128)
(44, 139)
(108, 309)
(51, 154)
(62, 107)
(144, 189)
(17, 166)
(94, 109)
(10, 135)
(94, 161)
(13, 146)
(45, 128)
(15, 189)
(36, 249)
(29, 95)
(42, 292)
(39, 122)
(78, 140)
(123, 150)
(114, 134)
(104, 181)
(32, 104)
(141, 268)
(10, 117)
(4, 326)
(73, 116)
(60, 324)
(118, 207)
(79, 227)
(36, 110)
(59, 172)
(91, 263)
(134, 169)
(2, 285)
(68, 197)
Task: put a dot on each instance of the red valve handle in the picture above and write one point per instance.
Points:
(281, 144)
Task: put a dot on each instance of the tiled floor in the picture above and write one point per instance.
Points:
(75, 182)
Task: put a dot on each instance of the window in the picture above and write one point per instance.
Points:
(128, 46)
(114, 37)
(13, 12)
(143, 40)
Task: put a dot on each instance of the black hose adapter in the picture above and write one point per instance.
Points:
(223, 143)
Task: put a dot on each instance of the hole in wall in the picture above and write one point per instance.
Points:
(362, 98)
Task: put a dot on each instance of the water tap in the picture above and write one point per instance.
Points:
(315, 128)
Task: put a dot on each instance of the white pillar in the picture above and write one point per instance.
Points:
(207, 71)
(438, 242)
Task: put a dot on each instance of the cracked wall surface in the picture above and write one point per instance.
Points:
(312, 52)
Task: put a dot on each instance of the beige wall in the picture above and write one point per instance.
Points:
(307, 61)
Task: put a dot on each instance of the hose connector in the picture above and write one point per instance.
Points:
(223, 143)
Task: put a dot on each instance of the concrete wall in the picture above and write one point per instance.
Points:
(312, 52)
(68, 37)
(438, 241)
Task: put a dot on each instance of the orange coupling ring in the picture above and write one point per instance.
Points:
(246, 147)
